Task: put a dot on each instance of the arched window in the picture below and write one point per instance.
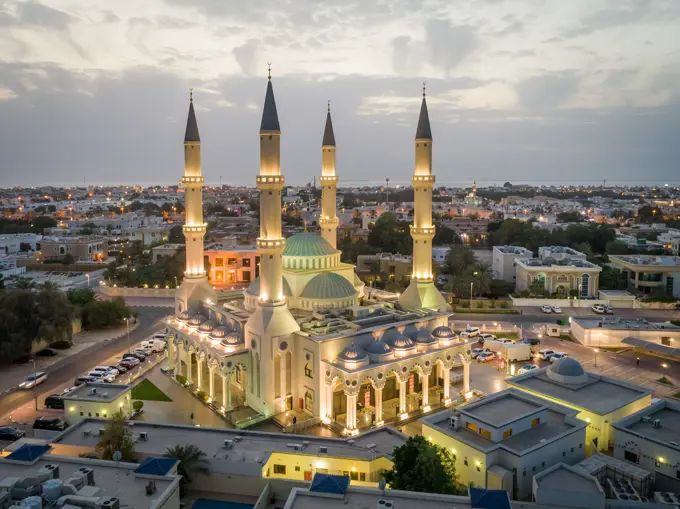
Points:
(308, 370)
(585, 280)
(562, 278)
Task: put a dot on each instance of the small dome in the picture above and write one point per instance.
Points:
(185, 316)
(443, 332)
(402, 343)
(352, 353)
(328, 285)
(378, 348)
(232, 339)
(219, 332)
(423, 337)
(308, 244)
(207, 326)
(197, 320)
(254, 287)
(567, 367)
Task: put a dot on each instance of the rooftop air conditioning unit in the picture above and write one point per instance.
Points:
(385, 504)
(109, 503)
(323, 450)
(657, 423)
(88, 474)
(52, 469)
(228, 444)
(646, 418)
(101, 431)
(454, 422)
(104, 394)
(667, 497)
(87, 432)
(144, 435)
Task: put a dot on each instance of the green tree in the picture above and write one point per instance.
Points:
(175, 235)
(459, 258)
(192, 460)
(617, 247)
(391, 235)
(481, 275)
(569, 217)
(80, 296)
(67, 259)
(610, 279)
(24, 283)
(537, 286)
(443, 235)
(106, 313)
(424, 467)
(116, 437)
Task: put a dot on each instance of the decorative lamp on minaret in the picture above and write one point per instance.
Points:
(328, 222)
(271, 321)
(421, 292)
(195, 287)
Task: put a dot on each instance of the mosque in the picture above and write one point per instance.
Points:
(307, 335)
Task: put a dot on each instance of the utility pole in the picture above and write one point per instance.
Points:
(387, 192)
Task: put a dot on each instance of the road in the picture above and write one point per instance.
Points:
(66, 371)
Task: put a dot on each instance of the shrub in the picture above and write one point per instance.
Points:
(181, 379)
(464, 303)
(660, 298)
(525, 294)
(202, 395)
(493, 304)
(480, 304)
(137, 405)
(504, 304)
(61, 345)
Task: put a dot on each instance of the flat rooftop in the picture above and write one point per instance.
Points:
(552, 262)
(501, 410)
(111, 479)
(562, 477)
(513, 250)
(667, 412)
(601, 395)
(93, 391)
(661, 261)
(250, 449)
(621, 323)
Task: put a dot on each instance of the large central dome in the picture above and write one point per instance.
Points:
(307, 244)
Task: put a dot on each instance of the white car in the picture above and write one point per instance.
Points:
(470, 332)
(599, 309)
(33, 380)
(507, 341)
(102, 377)
(545, 354)
(557, 356)
(526, 368)
(163, 336)
(486, 357)
(547, 309)
(485, 336)
(106, 369)
(476, 352)
(556, 309)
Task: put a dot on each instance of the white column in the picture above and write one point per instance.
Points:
(225, 388)
(447, 382)
(329, 401)
(284, 389)
(402, 396)
(425, 383)
(178, 358)
(199, 375)
(351, 411)
(212, 382)
(171, 352)
(189, 374)
(228, 397)
(379, 405)
(466, 376)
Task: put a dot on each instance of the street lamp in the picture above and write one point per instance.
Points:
(471, 285)
(88, 280)
(596, 350)
(127, 329)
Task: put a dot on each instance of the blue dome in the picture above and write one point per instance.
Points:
(423, 337)
(402, 343)
(185, 316)
(207, 326)
(352, 353)
(443, 332)
(219, 332)
(232, 339)
(197, 320)
(567, 367)
(328, 285)
(378, 348)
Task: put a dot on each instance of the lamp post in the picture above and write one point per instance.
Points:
(127, 330)
(596, 350)
(471, 285)
(88, 280)
(35, 383)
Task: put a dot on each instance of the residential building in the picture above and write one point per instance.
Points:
(385, 267)
(611, 331)
(600, 400)
(20, 242)
(650, 439)
(8, 267)
(88, 248)
(96, 400)
(502, 441)
(504, 264)
(232, 264)
(649, 274)
(439, 254)
(166, 250)
(469, 230)
(568, 486)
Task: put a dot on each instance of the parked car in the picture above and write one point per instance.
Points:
(47, 352)
(506, 340)
(102, 377)
(599, 309)
(120, 368)
(609, 310)
(546, 309)
(557, 356)
(139, 351)
(9, 433)
(526, 368)
(470, 332)
(129, 362)
(476, 352)
(68, 389)
(33, 380)
(556, 309)
(82, 380)
(153, 346)
(545, 354)
(54, 401)
(163, 336)
(486, 357)
(49, 424)
(531, 341)
(136, 355)
(106, 369)
(484, 337)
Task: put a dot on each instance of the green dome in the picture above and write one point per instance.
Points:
(328, 286)
(254, 287)
(307, 244)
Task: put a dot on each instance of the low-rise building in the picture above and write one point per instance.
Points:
(96, 400)
(650, 439)
(232, 264)
(504, 263)
(649, 273)
(386, 267)
(165, 251)
(86, 248)
(568, 486)
(611, 331)
(600, 400)
(560, 276)
(502, 441)
(19, 242)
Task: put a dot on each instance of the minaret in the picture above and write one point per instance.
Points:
(329, 182)
(195, 286)
(271, 322)
(421, 293)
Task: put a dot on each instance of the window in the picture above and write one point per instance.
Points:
(246, 262)
(231, 261)
(297, 468)
(354, 476)
(465, 462)
(308, 370)
(580, 446)
(280, 469)
(536, 422)
(572, 449)
(507, 433)
(362, 476)
(631, 456)
(485, 433)
(219, 261)
(471, 427)
(564, 453)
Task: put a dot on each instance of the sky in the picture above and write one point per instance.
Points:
(522, 90)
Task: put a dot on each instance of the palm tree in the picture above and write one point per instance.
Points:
(50, 286)
(24, 283)
(191, 461)
(482, 278)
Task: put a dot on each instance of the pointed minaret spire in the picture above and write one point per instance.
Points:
(270, 117)
(328, 222)
(191, 134)
(423, 132)
(328, 135)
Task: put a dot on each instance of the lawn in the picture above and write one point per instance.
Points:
(677, 395)
(665, 381)
(147, 391)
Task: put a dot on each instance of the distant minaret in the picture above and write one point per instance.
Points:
(474, 189)
(271, 321)
(421, 293)
(195, 286)
(328, 182)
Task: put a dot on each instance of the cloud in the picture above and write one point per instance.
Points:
(245, 55)
(547, 91)
(449, 44)
(36, 15)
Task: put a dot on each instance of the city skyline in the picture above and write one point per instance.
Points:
(572, 93)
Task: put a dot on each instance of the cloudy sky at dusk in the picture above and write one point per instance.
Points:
(520, 90)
